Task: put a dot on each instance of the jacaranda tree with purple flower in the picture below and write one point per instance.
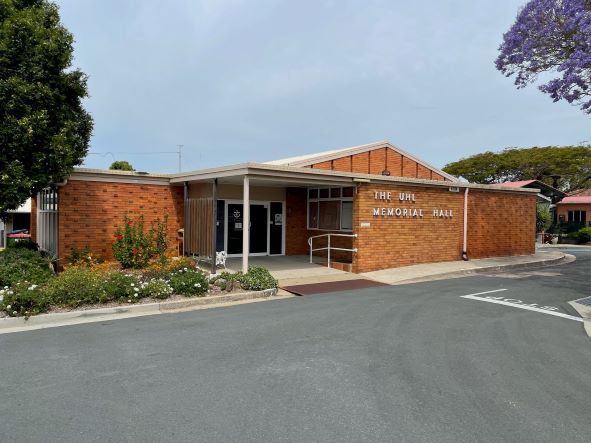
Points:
(551, 36)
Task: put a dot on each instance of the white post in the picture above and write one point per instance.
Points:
(245, 223)
(329, 250)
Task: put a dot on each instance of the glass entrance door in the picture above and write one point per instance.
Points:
(259, 222)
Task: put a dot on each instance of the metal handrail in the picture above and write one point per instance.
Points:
(328, 247)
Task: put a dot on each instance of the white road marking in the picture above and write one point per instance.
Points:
(550, 310)
(485, 292)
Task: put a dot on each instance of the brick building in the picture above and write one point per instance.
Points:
(382, 207)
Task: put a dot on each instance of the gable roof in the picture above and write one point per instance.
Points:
(576, 199)
(310, 159)
(518, 184)
(582, 192)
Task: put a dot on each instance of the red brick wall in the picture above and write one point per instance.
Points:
(297, 232)
(33, 228)
(499, 224)
(89, 212)
(378, 160)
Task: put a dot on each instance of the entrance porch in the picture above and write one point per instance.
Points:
(295, 269)
(267, 215)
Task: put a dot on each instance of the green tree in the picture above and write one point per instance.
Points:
(121, 165)
(543, 217)
(44, 130)
(566, 168)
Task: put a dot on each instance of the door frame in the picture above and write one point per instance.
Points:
(267, 205)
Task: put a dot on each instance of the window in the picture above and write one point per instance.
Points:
(577, 216)
(330, 209)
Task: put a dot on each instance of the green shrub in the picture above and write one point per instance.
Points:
(583, 235)
(23, 244)
(76, 286)
(121, 286)
(189, 282)
(23, 265)
(156, 288)
(543, 217)
(24, 299)
(256, 279)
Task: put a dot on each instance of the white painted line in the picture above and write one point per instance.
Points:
(485, 292)
(521, 305)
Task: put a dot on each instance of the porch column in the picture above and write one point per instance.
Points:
(214, 227)
(245, 223)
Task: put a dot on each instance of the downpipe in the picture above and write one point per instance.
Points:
(465, 246)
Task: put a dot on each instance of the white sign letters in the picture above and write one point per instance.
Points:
(408, 212)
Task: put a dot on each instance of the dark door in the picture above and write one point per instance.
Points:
(234, 229)
(258, 228)
(276, 228)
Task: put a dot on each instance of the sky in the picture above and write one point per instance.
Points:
(236, 80)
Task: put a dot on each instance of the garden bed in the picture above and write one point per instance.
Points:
(29, 287)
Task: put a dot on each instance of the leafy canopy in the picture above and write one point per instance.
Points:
(551, 36)
(121, 165)
(44, 130)
(566, 168)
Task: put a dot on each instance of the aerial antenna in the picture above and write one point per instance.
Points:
(180, 155)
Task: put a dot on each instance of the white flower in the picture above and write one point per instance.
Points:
(14, 312)
(128, 301)
(136, 289)
(135, 295)
(132, 284)
(8, 307)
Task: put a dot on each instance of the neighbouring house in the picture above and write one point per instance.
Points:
(18, 220)
(546, 193)
(377, 205)
(574, 211)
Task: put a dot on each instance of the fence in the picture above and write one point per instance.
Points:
(199, 226)
(47, 220)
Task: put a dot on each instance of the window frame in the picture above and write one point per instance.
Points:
(318, 199)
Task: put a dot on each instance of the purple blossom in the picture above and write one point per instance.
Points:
(551, 36)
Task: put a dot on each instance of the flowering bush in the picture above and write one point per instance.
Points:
(24, 299)
(122, 286)
(157, 288)
(158, 269)
(189, 282)
(134, 248)
(83, 257)
(76, 286)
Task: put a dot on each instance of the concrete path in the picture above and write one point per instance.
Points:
(455, 269)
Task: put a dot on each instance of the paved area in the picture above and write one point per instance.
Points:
(290, 270)
(402, 363)
(433, 271)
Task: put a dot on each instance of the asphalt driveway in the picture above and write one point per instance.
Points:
(405, 363)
